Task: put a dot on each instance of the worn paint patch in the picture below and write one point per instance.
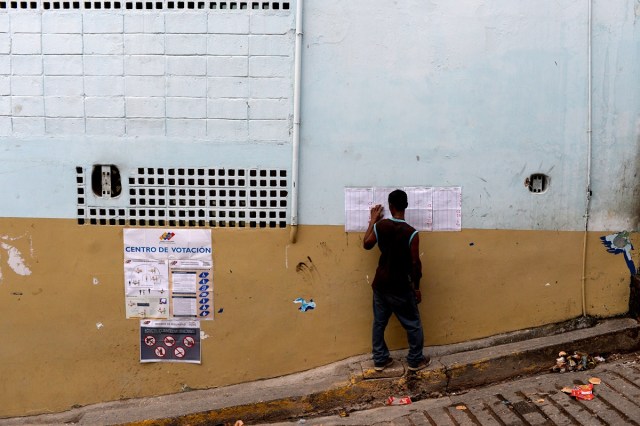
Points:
(286, 257)
(13, 257)
(307, 270)
(203, 335)
(304, 305)
(99, 325)
(620, 243)
(96, 281)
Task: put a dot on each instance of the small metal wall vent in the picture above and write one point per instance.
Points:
(105, 181)
(193, 197)
(537, 183)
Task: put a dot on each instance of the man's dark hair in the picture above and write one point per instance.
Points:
(398, 199)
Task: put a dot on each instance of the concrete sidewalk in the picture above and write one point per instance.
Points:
(536, 400)
(354, 384)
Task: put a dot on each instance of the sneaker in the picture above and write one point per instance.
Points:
(421, 365)
(381, 366)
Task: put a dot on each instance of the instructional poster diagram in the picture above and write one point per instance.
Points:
(146, 288)
(168, 274)
(430, 209)
(191, 293)
(170, 341)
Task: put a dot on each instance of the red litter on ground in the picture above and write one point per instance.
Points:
(584, 392)
(392, 400)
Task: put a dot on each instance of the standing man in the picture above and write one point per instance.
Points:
(397, 281)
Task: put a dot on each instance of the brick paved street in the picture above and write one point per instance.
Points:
(529, 401)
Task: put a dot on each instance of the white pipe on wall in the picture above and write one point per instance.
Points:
(296, 124)
(589, 146)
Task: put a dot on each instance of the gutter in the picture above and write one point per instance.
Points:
(295, 156)
(589, 147)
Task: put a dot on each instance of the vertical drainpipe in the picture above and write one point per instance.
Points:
(589, 143)
(296, 124)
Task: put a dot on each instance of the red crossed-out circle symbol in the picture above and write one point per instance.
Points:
(179, 352)
(160, 351)
(149, 340)
(189, 341)
(169, 341)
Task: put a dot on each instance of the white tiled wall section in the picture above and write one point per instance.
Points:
(203, 73)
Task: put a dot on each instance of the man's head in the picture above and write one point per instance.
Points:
(398, 200)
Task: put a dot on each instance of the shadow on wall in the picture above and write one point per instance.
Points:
(635, 184)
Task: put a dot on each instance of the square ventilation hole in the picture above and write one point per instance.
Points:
(192, 197)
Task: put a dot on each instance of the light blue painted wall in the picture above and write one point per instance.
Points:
(162, 88)
(616, 121)
(471, 93)
(39, 180)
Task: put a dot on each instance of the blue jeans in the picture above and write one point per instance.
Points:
(405, 308)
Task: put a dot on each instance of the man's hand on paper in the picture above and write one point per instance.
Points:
(376, 213)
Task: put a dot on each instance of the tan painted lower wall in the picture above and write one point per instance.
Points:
(476, 283)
